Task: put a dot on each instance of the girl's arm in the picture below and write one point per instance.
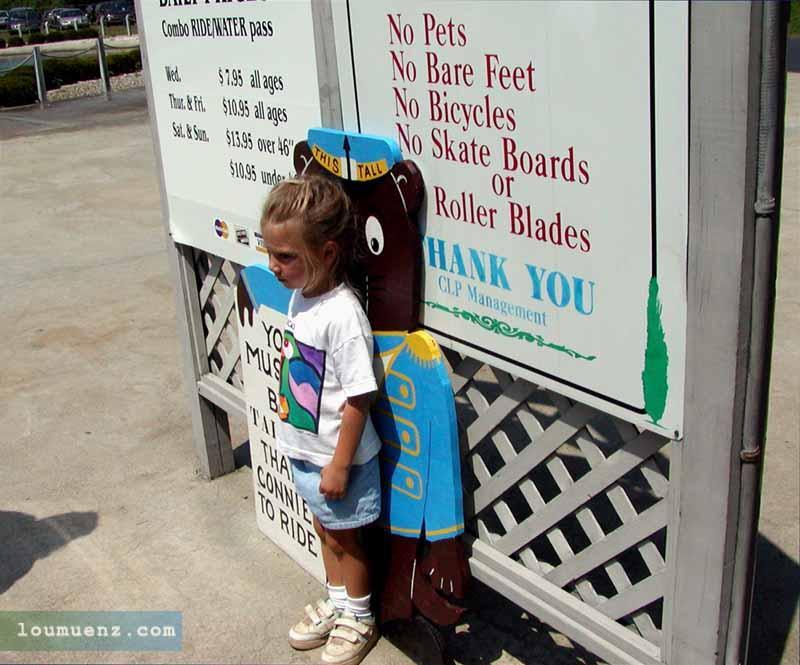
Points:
(334, 476)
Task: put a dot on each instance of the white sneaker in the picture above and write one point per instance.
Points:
(315, 627)
(350, 640)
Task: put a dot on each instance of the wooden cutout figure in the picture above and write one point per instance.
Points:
(414, 413)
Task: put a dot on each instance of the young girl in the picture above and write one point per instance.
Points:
(327, 383)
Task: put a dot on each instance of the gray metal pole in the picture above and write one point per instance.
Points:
(101, 59)
(128, 24)
(41, 86)
(770, 132)
(102, 27)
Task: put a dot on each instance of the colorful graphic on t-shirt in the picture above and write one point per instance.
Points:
(302, 373)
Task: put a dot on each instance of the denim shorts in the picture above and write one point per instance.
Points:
(359, 507)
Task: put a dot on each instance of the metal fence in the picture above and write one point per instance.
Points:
(38, 56)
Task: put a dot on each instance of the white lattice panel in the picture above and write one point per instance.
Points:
(217, 280)
(572, 494)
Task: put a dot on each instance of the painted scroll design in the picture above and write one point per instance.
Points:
(506, 330)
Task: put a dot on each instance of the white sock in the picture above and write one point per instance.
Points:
(360, 607)
(338, 596)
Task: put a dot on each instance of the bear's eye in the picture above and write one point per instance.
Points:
(374, 232)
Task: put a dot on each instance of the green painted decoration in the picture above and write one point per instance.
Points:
(502, 328)
(656, 359)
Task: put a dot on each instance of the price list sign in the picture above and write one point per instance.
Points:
(233, 86)
(553, 140)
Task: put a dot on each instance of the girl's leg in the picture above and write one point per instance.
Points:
(353, 636)
(314, 628)
(330, 560)
(351, 558)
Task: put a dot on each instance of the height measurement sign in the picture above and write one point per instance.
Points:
(281, 513)
(229, 99)
(553, 140)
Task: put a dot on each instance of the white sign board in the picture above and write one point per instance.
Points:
(230, 97)
(553, 140)
(280, 511)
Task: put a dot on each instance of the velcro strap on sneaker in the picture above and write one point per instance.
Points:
(347, 635)
(311, 613)
(325, 608)
(350, 629)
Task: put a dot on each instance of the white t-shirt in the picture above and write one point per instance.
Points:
(326, 358)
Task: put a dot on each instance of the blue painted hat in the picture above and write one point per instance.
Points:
(352, 156)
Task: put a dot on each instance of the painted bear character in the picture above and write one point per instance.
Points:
(414, 413)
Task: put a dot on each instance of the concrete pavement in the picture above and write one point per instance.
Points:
(100, 505)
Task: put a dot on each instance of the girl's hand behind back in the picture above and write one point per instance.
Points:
(333, 481)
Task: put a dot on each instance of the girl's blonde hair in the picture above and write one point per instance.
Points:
(323, 211)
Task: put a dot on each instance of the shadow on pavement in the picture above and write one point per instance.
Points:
(775, 602)
(492, 627)
(241, 455)
(26, 539)
(495, 626)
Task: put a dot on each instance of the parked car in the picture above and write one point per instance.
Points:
(49, 18)
(114, 12)
(25, 19)
(71, 18)
(3, 19)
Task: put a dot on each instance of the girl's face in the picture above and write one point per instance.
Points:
(289, 256)
(286, 253)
